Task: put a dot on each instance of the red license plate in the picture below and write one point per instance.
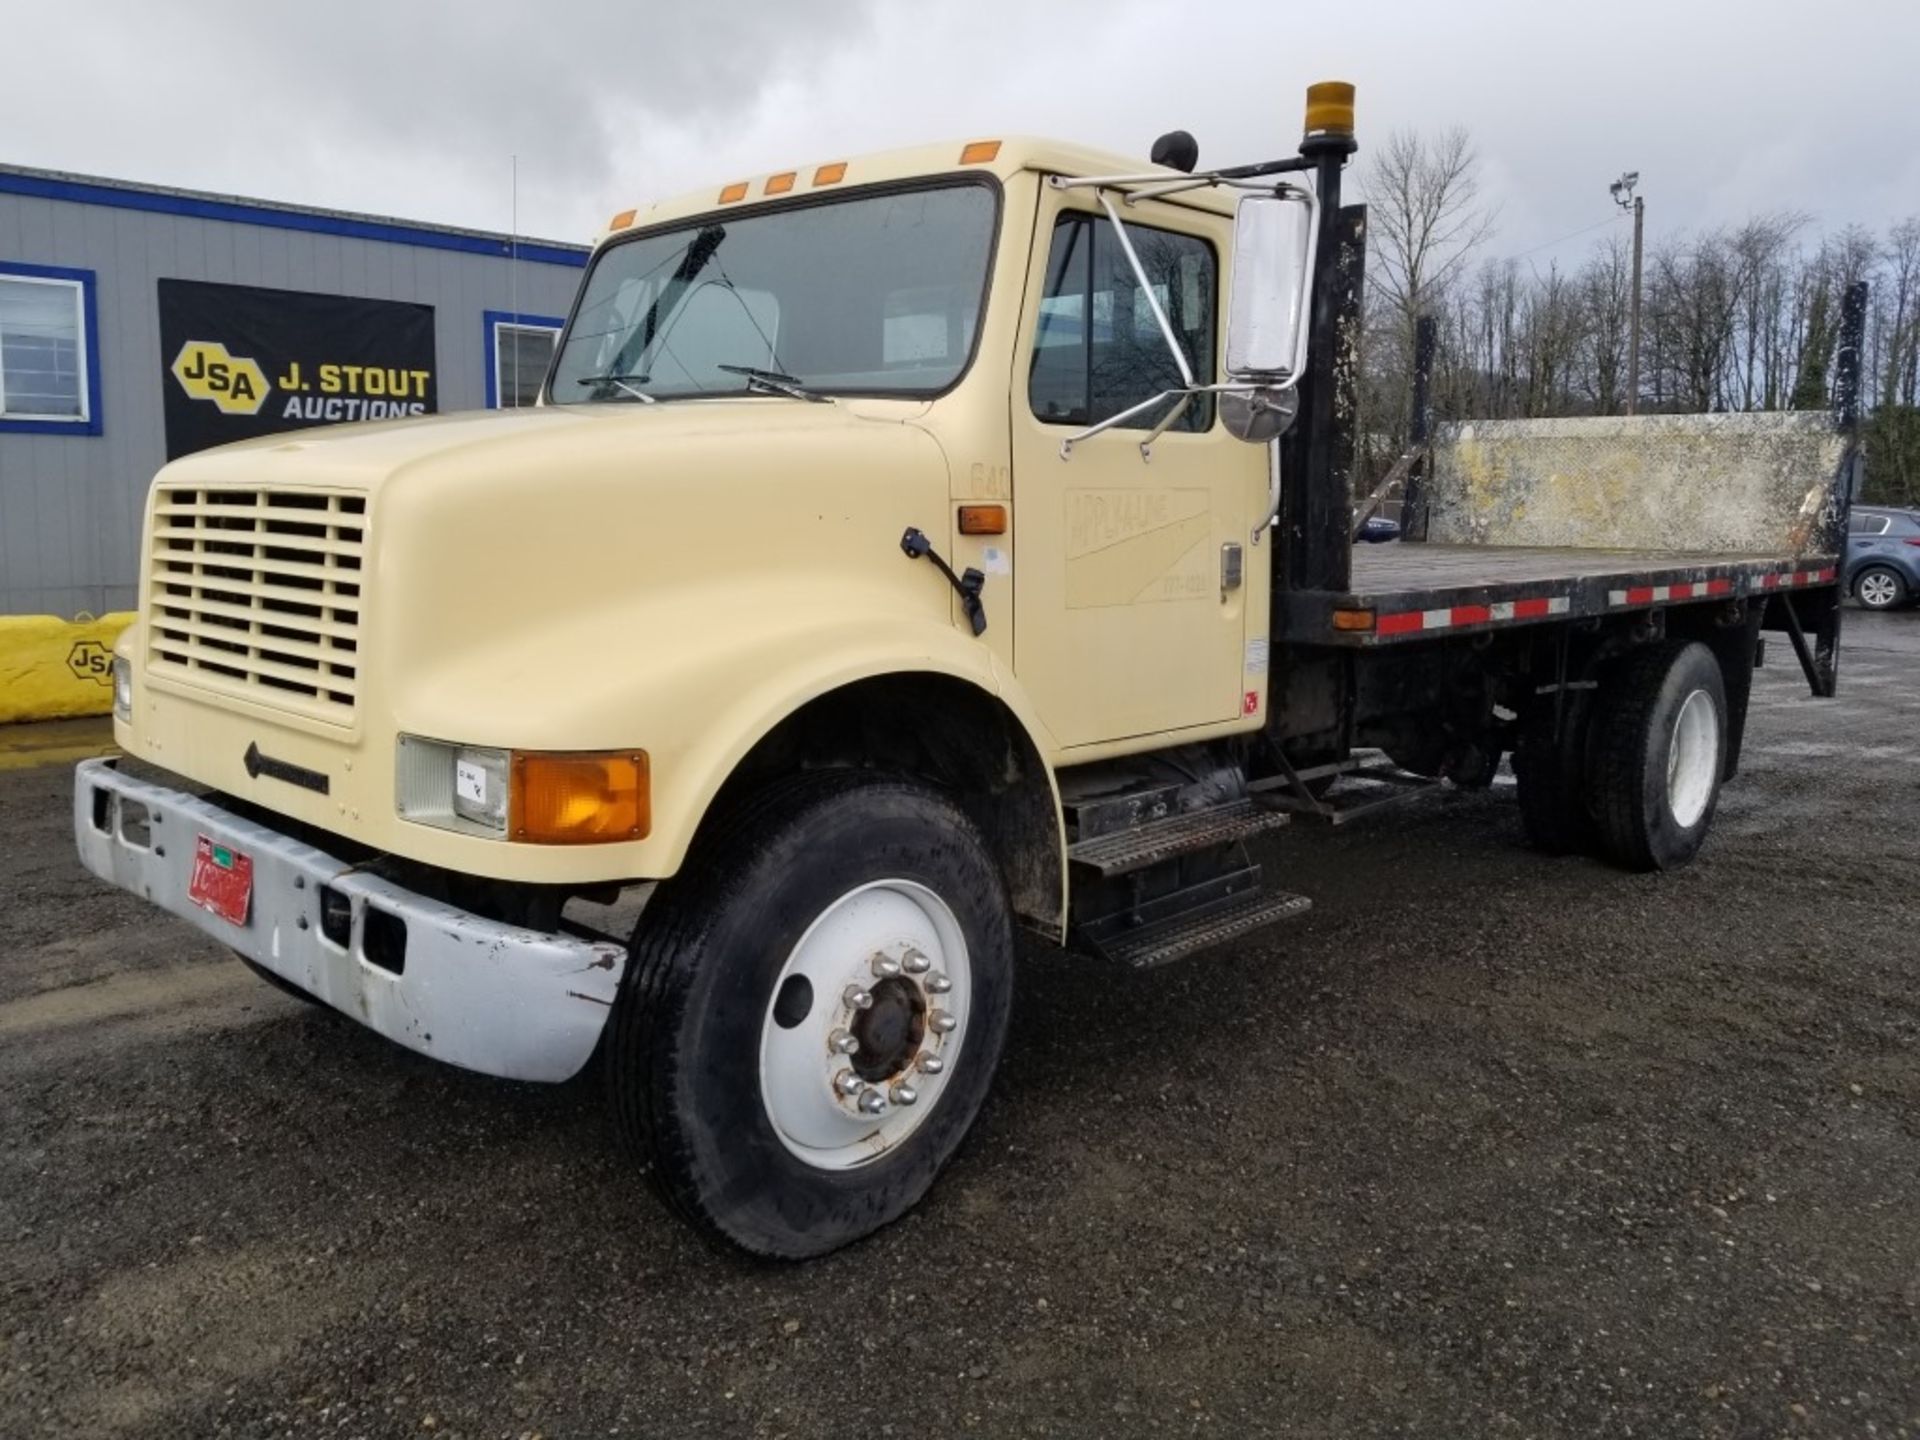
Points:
(222, 880)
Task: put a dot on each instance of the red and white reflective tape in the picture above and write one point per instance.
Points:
(1452, 617)
(1681, 590)
(1702, 589)
(1781, 580)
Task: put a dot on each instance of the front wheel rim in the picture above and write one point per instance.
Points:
(865, 1025)
(1693, 759)
(1877, 591)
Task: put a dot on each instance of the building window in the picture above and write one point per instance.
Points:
(49, 348)
(519, 349)
(1098, 349)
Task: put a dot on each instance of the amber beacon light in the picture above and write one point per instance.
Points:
(1330, 108)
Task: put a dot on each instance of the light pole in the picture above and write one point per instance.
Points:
(1623, 196)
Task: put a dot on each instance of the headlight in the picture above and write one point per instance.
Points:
(480, 786)
(122, 688)
(456, 787)
(545, 798)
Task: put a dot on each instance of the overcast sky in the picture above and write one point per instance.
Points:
(413, 107)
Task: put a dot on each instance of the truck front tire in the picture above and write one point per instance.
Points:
(813, 1011)
(1659, 749)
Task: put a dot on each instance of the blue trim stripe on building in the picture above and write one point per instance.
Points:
(90, 321)
(491, 321)
(80, 192)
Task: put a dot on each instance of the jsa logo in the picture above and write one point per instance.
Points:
(234, 383)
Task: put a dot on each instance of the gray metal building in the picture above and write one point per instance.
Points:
(87, 414)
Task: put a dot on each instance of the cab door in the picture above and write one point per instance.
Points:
(1134, 571)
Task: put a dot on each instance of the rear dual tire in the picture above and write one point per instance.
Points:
(1638, 780)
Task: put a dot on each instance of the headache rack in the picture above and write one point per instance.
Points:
(1508, 523)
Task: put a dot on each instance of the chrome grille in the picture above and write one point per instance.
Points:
(256, 592)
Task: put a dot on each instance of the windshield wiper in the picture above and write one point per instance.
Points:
(775, 381)
(621, 382)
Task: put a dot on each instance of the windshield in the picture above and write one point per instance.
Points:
(878, 294)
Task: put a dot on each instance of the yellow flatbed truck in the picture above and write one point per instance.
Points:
(904, 549)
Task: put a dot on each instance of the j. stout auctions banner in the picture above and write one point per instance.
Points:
(243, 361)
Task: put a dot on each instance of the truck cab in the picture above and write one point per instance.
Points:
(889, 563)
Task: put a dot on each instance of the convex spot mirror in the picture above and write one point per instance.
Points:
(1260, 414)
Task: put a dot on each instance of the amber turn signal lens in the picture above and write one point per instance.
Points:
(983, 519)
(980, 152)
(622, 220)
(1330, 108)
(1353, 619)
(572, 799)
(733, 192)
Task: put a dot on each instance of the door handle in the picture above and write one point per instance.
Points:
(1231, 568)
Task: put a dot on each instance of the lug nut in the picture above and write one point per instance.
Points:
(941, 1022)
(931, 1064)
(848, 1083)
(938, 983)
(903, 1093)
(842, 1042)
(871, 1102)
(885, 966)
(915, 963)
(854, 998)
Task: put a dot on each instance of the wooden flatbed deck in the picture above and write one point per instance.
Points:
(1415, 588)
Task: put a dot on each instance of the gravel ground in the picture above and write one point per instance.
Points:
(1486, 1145)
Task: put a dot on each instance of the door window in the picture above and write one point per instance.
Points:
(1097, 348)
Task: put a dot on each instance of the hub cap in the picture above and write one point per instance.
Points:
(866, 1024)
(1693, 759)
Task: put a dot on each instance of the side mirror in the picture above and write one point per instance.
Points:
(1260, 414)
(1273, 239)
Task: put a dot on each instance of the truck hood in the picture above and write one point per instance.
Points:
(493, 541)
(368, 456)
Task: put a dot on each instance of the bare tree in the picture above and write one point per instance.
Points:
(1425, 215)
(1603, 283)
(1426, 218)
(1693, 298)
(1744, 317)
(1899, 316)
(1758, 252)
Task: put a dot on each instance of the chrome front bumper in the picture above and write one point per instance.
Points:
(473, 992)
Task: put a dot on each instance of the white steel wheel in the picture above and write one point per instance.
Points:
(813, 1010)
(1656, 753)
(866, 1025)
(1693, 759)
